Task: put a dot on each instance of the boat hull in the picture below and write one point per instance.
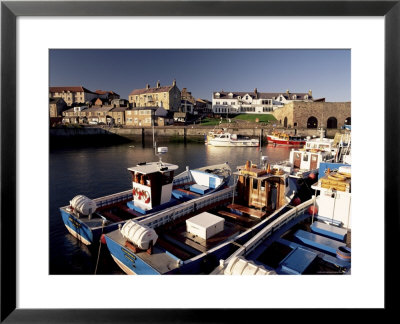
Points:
(233, 143)
(82, 231)
(283, 142)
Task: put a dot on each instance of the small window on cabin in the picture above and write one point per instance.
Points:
(305, 157)
(255, 184)
(262, 185)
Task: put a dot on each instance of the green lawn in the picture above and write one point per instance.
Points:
(252, 117)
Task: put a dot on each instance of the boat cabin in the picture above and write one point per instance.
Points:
(261, 187)
(152, 184)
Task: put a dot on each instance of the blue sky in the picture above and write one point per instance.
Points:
(202, 71)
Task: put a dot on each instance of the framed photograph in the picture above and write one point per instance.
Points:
(35, 289)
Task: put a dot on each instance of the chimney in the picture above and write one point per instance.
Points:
(309, 92)
(147, 86)
(255, 92)
(158, 83)
(287, 91)
(174, 83)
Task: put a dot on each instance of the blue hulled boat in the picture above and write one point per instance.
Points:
(194, 236)
(154, 189)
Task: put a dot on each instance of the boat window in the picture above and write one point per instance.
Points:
(255, 184)
(262, 185)
(305, 157)
(167, 177)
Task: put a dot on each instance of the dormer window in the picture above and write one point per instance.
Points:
(306, 97)
(217, 95)
(239, 97)
(294, 97)
(230, 95)
(247, 97)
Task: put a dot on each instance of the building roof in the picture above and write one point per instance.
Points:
(101, 92)
(119, 109)
(260, 95)
(71, 89)
(151, 90)
(55, 100)
(203, 100)
(100, 109)
(145, 108)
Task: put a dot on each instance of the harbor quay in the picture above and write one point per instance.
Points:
(191, 132)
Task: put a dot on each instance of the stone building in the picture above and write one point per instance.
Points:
(168, 97)
(72, 95)
(57, 106)
(117, 115)
(187, 95)
(314, 114)
(145, 116)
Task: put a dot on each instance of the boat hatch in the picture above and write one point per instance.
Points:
(298, 261)
(317, 241)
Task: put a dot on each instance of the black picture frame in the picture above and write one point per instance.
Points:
(10, 10)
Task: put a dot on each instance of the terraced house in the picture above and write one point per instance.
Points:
(255, 102)
(73, 95)
(168, 97)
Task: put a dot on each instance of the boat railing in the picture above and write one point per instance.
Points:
(257, 239)
(114, 198)
(187, 207)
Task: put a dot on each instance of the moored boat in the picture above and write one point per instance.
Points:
(228, 139)
(154, 188)
(312, 238)
(193, 237)
(283, 139)
(224, 138)
(304, 162)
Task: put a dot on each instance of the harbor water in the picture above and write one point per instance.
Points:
(99, 171)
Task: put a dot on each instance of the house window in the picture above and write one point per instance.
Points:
(247, 97)
(217, 102)
(224, 103)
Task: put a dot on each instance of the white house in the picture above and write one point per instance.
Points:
(254, 102)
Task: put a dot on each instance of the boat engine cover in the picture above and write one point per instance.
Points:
(140, 235)
(83, 205)
(241, 266)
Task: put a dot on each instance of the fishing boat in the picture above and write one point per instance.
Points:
(193, 237)
(304, 162)
(228, 139)
(313, 237)
(154, 188)
(223, 138)
(283, 139)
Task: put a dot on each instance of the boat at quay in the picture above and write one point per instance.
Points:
(154, 188)
(224, 138)
(305, 162)
(283, 139)
(194, 236)
(313, 237)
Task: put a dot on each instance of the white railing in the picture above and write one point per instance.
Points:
(186, 208)
(114, 198)
(251, 244)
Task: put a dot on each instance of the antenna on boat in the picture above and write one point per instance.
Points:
(160, 152)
